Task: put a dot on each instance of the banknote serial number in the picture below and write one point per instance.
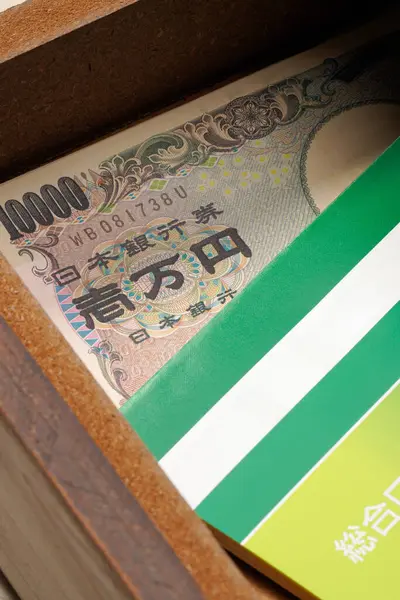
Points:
(53, 202)
(126, 216)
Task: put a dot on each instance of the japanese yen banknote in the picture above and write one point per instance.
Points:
(135, 243)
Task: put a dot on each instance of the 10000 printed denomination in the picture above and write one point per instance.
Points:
(24, 217)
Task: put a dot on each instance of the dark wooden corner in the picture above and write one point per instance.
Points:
(69, 528)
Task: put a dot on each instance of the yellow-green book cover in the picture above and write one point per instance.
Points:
(279, 421)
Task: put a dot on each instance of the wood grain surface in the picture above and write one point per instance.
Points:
(59, 491)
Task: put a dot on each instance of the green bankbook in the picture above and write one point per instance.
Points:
(279, 421)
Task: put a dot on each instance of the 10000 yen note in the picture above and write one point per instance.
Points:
(131, 251)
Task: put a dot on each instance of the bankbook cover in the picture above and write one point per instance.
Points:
(278, 422)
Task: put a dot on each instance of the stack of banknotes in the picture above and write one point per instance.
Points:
(135, 243)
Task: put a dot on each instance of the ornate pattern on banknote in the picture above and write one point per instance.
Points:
(179, 224)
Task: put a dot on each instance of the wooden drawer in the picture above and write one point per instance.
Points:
(85, 511)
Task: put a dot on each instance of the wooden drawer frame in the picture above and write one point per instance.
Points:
(85, 511)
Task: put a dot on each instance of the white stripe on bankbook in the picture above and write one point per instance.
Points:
(244, 416)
